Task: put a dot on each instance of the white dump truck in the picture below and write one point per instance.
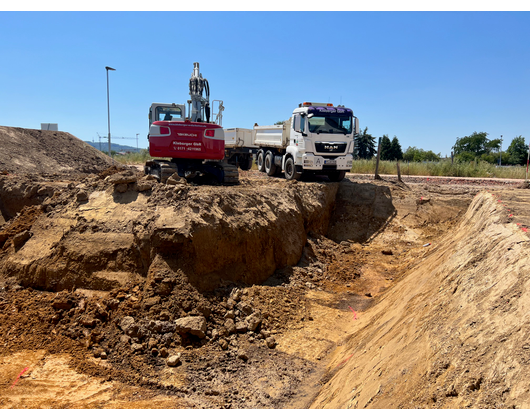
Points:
(240, 147)
(318, 138)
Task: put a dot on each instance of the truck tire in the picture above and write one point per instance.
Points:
(245, 163)
(270, 166)
(290, 170)
(260, 161)
(336, 176)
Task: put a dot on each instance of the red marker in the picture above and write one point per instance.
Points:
(19, 375)
(354, 313)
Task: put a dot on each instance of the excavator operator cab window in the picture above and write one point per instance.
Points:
(168, 114)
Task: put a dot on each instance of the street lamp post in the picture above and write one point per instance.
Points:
(108, 106)
(500, 153)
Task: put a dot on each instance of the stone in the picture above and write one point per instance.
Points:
(241, 327)
(164, 352)
(271, 342)
(235, 295)
(127, 324)
(125, 339)
(120, 188)
(136, 347)
(173, 360)
(175, 179)
(125, 177)
(230, 326)
(223, 343)
(81, 196)
(253, 321)
(195, 325)
(230, 303)
(149, 302)
(244, 308)
(242, 355)
(21, 238)
(230, 314)
(144, 185)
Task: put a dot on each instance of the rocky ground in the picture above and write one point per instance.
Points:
(119, 292)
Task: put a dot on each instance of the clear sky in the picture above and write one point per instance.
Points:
(425, 77)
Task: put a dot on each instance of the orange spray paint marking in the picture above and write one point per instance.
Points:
(19, 375)
(510, 215)
(524, 229)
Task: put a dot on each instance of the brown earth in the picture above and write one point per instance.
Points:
(273, 294)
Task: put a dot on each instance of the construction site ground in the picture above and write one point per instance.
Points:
(120, 292)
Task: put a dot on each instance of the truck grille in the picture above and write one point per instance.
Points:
(330, 147)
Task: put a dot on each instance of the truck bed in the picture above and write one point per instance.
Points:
(276, 136)
(238, 138)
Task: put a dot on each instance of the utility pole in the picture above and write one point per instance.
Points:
(137, 150)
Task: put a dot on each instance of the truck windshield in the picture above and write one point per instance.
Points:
(330, 124)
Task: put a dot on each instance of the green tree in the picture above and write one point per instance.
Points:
(413, 154)
(395, 150)
(386, 148)
(518, 151)
(365, 145)
(477, 144)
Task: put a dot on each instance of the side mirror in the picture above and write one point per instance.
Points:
(357, 126)
(310, 115)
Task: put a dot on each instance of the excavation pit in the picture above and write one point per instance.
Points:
(280, 272)
(118, 292)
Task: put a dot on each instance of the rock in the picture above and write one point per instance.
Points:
(271, 342)
(230, 314)
(88, 321)
(144, 185)
(103, 355)
(195, 325)
(173, 360)
(230, 326)
(387, 252)
(125, 177)
(241, 327)
(164, 352)
(21, 238)
(125, 339)
(245, 308)
(253, 321)
(236, 295)
(62, 303)
(127, 325)
(149, 302)
(242, 355)
(81, 196)
(136, 347)
(230, 303)
(176, 179)
(223, 343)
(153, 342)
(265, 334)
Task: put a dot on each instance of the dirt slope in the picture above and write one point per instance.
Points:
(454, 332)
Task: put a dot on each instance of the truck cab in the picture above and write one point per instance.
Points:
(322, 137)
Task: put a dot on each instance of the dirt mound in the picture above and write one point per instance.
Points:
(27, 151)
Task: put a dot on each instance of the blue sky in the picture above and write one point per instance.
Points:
(425, 77)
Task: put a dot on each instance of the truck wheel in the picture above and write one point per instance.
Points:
(246, 163)
(260, 161)
(290, 170)
(336, 176)
(270, 167)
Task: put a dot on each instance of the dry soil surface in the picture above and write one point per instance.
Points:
(119, 292)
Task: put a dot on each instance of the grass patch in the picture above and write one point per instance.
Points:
(443, 168)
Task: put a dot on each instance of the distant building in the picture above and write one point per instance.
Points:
(49, 127)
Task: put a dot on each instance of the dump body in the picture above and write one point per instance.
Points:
(238, 137)
(276, 136)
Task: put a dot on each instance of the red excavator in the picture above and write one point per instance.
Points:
(192, 146)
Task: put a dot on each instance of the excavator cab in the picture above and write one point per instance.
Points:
(166, 112)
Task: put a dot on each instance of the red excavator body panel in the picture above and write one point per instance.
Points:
(186, 140)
